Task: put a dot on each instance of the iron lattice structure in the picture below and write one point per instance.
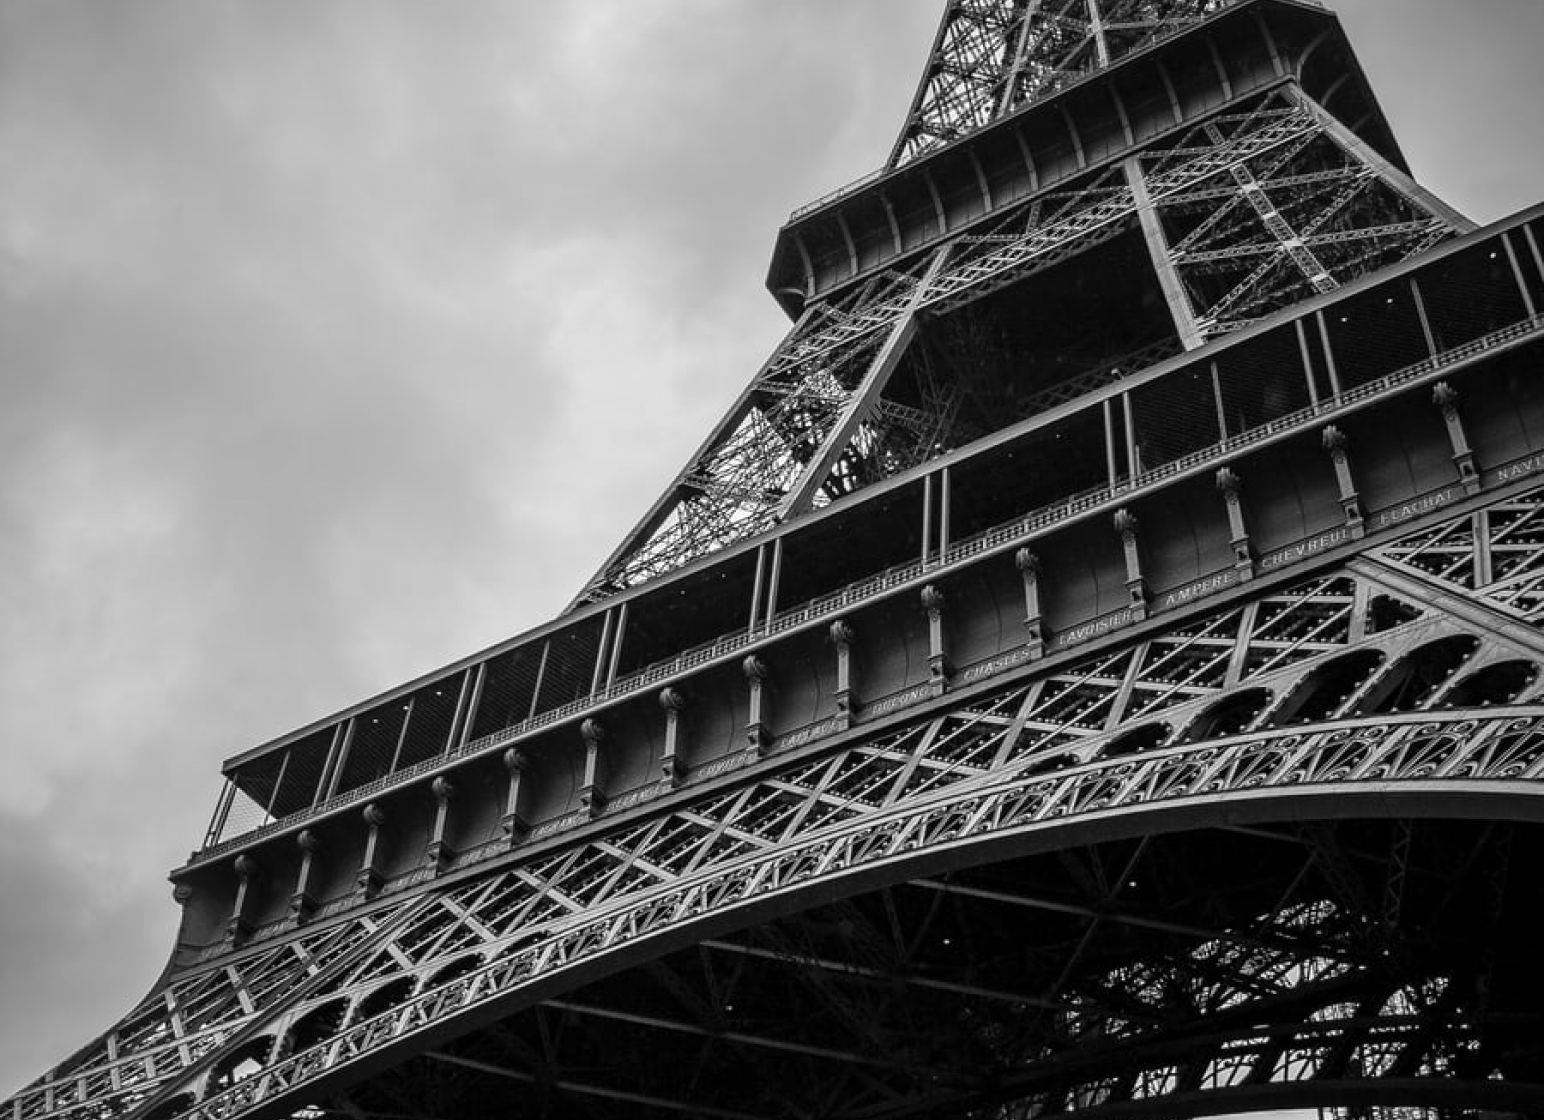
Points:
(991, 56)
(1244, 212)
(1094, 670)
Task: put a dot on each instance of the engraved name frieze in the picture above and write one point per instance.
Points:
(1407, 510)
(995, 665)
(1198, 590)
(1304, 550)
(898, 700)
(1533, 464)
(808, 734)
(1095, 629)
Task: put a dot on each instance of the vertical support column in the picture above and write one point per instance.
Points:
(1169, 283)
(756, 730)
(1136, 585)
(945, 515)
(927, 519)
(842, 636)
(1445, 397)
(466, 707)
(239, 927)
(1329, 353)
(344, 746)
(303, 902)
(541, 675)
(938, 667)
(514, 824)
(222, 811)
(1028, 563)
(1112, 465)
(439, 853)
(1307, 357)
(334, 749)
(1238, 533)
(761, 575)
(601, 650)
(616, 646)
(1420, 312)
(592, 798)
(672, 766)
(775, 583)
(370, 877)
(1335, 443)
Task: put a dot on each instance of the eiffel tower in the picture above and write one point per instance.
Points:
(1093, 669)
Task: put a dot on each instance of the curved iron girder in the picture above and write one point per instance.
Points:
(1452, 764)
(1062, 718)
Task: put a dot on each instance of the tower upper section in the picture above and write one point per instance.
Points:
(992, 56)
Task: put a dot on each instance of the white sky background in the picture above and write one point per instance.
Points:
(338, 340)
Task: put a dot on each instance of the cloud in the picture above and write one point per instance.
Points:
(339, 341)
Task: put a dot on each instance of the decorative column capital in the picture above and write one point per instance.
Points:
(755, 669)
(1126, 523)
(308, 842)
(246, 867)
(1228, 481)
(842, 633)
(672, 699)
(1444, 396)
(1334, 440)
(443, 789)
(592, 733)
(374, 815)
(932, 599)
(1028, 561)
(515, 761)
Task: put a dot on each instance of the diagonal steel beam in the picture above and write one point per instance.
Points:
(864, 398)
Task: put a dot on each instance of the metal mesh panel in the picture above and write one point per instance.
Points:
(241, 815)
(570, 665)
(373, 745)
(509, 686)
(303, 765)
(1528, 245)
(1173, 417)
(1470, 294)
(1375, 333)
(1064, 459)
(275, 785)
(1262, 380)
(433, 710)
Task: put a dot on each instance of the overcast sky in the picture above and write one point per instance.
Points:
(340, 338)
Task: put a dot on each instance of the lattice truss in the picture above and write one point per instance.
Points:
(1495, 554)
(1298, 220)
(992, 56)
(1351, 676)
(1254, 201)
